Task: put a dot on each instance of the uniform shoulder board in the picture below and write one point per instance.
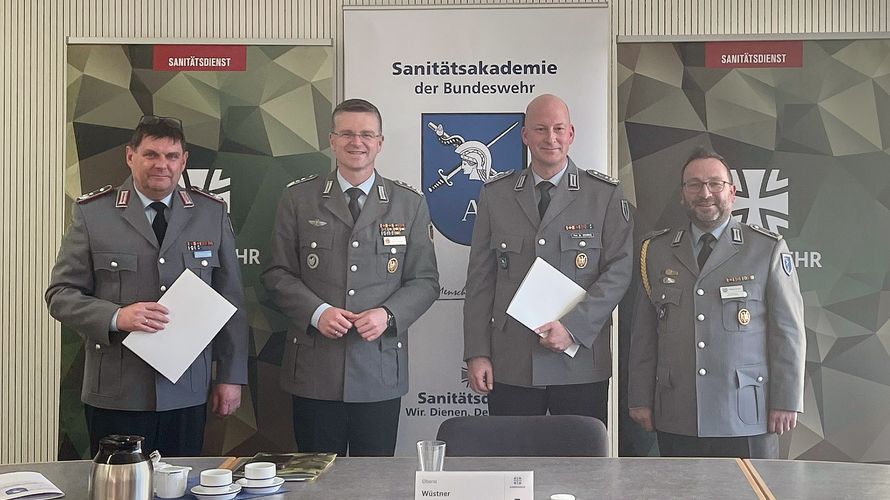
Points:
(765, 232)
(499, 176)
(95, 194)
(407, 186)
(656, 233)
(300, 181)
(603, 177)
(208, 194)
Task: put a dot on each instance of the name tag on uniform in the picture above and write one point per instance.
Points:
(395, 240)
(203, 254)
(733, 292)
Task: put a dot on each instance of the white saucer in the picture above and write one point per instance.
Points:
(222, 493)
(261, 486)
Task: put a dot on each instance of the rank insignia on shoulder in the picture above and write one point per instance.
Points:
(788, 263)
(208, 194)
(603, 177)
(765, 232)
(499, 176)
(94, 194)
(407, 186)
(657, 232)
(302, 180)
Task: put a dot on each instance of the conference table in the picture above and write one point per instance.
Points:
(586, 478)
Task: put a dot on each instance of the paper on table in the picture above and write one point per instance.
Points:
(197, 313)
(545, 294)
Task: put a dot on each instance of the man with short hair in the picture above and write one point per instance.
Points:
(353, 266)
(718, 343)
(117, 258)
(579, 222)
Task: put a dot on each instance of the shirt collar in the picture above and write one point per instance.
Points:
(146, 201)
(717, 232)
(365, 186)
(553, 180)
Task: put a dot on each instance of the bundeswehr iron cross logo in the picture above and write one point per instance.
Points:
(459, 152)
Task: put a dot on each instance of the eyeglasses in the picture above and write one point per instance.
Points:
(365, 136)
(713, 186)
(169, 121)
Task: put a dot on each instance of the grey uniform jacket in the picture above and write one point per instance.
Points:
(110, 258)
(386, 258)
(713, 351)
(586, 234)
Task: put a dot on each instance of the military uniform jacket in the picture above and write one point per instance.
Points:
(110, 258)
(586, 234)
(713, 351)
(386, 258)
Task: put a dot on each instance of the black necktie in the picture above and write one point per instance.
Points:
(705, 252)
(544, 188)
(160, 223)
(354, 208)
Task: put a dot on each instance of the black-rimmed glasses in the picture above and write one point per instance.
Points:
(696, 186)
(365, 136)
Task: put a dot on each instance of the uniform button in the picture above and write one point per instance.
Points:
(703, 372)
(503, 245)
(700, 317)
(760, 379)
(399, 345)
(354, 244)
(113, 264)
(542, 241)
(701, 345)
(295, 340)
(663, 296)
(98, 347)
(582, 244)
(353, 268)
(313, 245)
(351, 293)
(392, 250)
(163, 288)
(204, 263)
(492, 320)
(162, 261)
(700, 291)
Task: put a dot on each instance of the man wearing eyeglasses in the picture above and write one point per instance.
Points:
(353, 266)
(579, 222)
(124, 248)
(718, 343)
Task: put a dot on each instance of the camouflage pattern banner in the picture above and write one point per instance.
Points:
(452, 85)
(255, 118)
(808, 140)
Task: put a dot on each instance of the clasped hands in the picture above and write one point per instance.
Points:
(335, 322)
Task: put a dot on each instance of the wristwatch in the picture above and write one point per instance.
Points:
(390, 318)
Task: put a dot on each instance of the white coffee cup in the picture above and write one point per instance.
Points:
(171, 480)
(214, 478)
(260, 472)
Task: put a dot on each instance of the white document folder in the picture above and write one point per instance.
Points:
(544, 295)
(197, 314)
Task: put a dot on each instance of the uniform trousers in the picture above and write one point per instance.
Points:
(174, 433)
(573, 399)
(364, 429)
(759, 446)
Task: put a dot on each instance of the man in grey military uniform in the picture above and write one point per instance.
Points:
(718, 345)
(124, 248)
(578, 221)
(353, 266)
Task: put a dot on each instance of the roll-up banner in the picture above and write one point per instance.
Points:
(805, 128)
(452, 85)
(255, 118)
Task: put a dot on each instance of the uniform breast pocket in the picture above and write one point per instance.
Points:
(315, 253)
(203, 266)
(116, 276)
(579, 256)
(508, 251)
(667, 308)
(742, 314)
(390, 260)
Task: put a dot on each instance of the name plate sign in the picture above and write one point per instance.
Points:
(473, 485)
